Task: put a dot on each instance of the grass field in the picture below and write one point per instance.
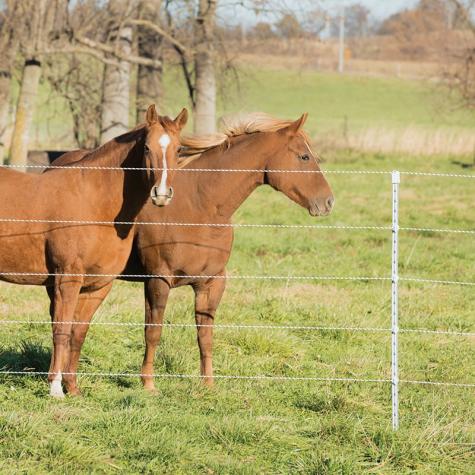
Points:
(374, 114)
(285, 427)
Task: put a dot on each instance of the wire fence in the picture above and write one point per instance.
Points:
(394, 278)
(241, 327)
(242, 170)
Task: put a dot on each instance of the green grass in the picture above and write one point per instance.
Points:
(247, 427)
(332, 100)
(337, 105)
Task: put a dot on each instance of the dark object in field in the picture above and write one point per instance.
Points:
(57, 255)
(259, 143)
(463, 164)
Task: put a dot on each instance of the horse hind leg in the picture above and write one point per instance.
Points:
(88, 303)
(156, 296)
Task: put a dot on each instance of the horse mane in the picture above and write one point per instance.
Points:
(193, 146)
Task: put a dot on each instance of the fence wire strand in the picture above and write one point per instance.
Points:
(242, 170)
(242, 277)
(238, 377)
(231, 326)
(178, 276)
(234, 225)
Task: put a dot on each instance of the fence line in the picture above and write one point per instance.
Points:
(243, 170)
(234, 225)
(218, 225)
(241, 277)
(438, 230)
(178, 276)
(240, 327)
(435, 281)
(241, 377)
(394, 278)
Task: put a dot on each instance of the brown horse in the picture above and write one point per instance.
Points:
(58, 255)
(257, 143)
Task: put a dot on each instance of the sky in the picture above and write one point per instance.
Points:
(380, 9)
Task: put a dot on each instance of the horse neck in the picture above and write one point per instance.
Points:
(130, 189)
(222, 192)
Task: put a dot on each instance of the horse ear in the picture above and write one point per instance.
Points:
(295, 127)
(181, 119)
(151, 117)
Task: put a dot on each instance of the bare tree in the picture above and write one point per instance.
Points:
(8, 50)
(461, 76)
(149, 78)
(289, 27)
(116, 81)
(357, 20)
(74, 79)
(205, 80)
(57, 31)
(41, 18)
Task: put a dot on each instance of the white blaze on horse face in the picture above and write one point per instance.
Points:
(164, 142)
(56, 389)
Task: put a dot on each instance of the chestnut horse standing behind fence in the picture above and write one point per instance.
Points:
(57, 255)
(257, 145)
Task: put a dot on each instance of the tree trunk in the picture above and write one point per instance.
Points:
(43, 15)
(205, 81)
(24, 113)
(115, 85)
(149, 79)
(5, 85)
(8, 51)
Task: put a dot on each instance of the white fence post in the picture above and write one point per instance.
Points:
(396, 180)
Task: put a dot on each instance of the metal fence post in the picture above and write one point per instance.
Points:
(396, 180)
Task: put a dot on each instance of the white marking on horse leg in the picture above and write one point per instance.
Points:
(164, 142)
(55, 389)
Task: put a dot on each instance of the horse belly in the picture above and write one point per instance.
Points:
(198, 253)
(23, 254)
(104, 258)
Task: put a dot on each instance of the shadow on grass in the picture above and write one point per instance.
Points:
(27, 356)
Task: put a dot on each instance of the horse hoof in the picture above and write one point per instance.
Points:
(56, 390)
(151, 389)
(56, 394)
(74, 392)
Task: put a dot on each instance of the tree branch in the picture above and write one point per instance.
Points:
(164, 34)
(465, 12)
(77, 50)
(95, 45)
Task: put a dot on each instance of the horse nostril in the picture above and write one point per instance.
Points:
(329, 202)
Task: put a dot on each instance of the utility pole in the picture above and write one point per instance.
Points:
(341, 60)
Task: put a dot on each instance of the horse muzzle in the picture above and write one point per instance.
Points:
(322, 207)
(159, 199)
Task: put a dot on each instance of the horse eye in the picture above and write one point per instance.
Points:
(305, 158)
(179, 149)
(146, 148)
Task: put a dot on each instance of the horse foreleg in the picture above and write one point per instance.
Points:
(156, 296)
(87, 305)
(207, 298)
(66, 293)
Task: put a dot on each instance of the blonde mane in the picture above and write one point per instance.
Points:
(231, 126)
